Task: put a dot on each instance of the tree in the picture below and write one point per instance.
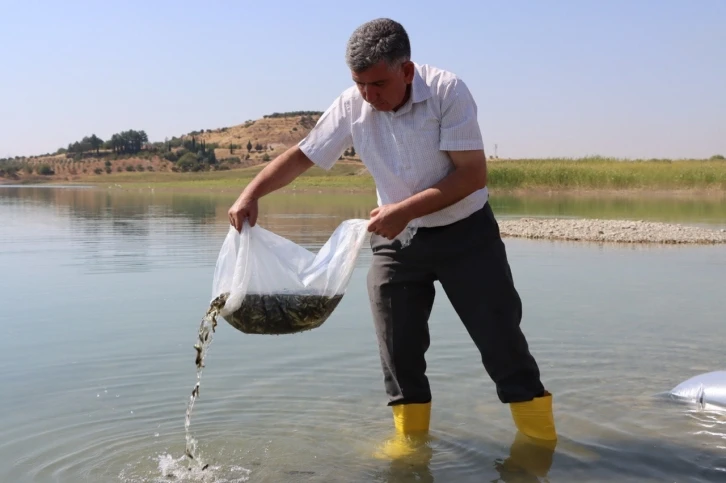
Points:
(293, 114)
(211, 157)
(116, 144)
(128, 142)
(95, 142)
(191, 145)
(249, 146)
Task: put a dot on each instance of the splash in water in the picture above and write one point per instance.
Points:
(171, 469)
(206, 329)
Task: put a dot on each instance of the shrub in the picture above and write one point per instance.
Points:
(188, 162)
(46, 170)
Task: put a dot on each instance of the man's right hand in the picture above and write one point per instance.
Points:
(244, 207)
(278, 173)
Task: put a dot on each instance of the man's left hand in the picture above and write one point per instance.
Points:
(388, 221)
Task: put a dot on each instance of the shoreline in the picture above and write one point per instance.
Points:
(586, 176)
(534, 191)
(636, 232)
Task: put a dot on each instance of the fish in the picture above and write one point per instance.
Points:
(198, 360)
(282, 313)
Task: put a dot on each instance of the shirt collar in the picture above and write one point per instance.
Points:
(419, 92)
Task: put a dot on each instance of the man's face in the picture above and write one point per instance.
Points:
(384, 87)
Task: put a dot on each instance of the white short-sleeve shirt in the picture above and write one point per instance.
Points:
(405, 151)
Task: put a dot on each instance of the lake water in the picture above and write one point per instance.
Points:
(103, 291)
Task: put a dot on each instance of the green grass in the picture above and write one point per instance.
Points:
(340, 176)
(555, 174)
(609, 174)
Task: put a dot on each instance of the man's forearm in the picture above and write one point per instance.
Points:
(459, 184)
(279, 173)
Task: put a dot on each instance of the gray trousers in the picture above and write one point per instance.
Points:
(469, 259)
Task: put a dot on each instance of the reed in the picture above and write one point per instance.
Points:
(607, 174)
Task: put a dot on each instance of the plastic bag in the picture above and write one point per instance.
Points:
(267, 284)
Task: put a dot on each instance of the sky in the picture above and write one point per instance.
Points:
(616, 78)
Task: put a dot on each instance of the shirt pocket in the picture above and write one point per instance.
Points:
(426, 163)
(422, 135)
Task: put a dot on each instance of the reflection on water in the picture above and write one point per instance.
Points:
(103, 291)
(327, 209)
(662, 208)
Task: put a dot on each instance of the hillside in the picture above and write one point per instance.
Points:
(278, 132)
(249, 144)
(228, 157)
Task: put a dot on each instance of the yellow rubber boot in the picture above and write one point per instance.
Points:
(534, 418)
(411, 422)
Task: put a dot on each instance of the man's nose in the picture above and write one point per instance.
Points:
(371, 93)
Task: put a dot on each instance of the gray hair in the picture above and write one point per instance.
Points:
(377, 40)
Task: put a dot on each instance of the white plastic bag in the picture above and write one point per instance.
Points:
(271, 285)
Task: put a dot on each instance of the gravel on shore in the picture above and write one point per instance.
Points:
(618, 231)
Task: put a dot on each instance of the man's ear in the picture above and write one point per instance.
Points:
(408, 69)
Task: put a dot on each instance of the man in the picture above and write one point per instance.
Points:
(416, 130)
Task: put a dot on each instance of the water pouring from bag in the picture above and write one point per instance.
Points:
(266, 284)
